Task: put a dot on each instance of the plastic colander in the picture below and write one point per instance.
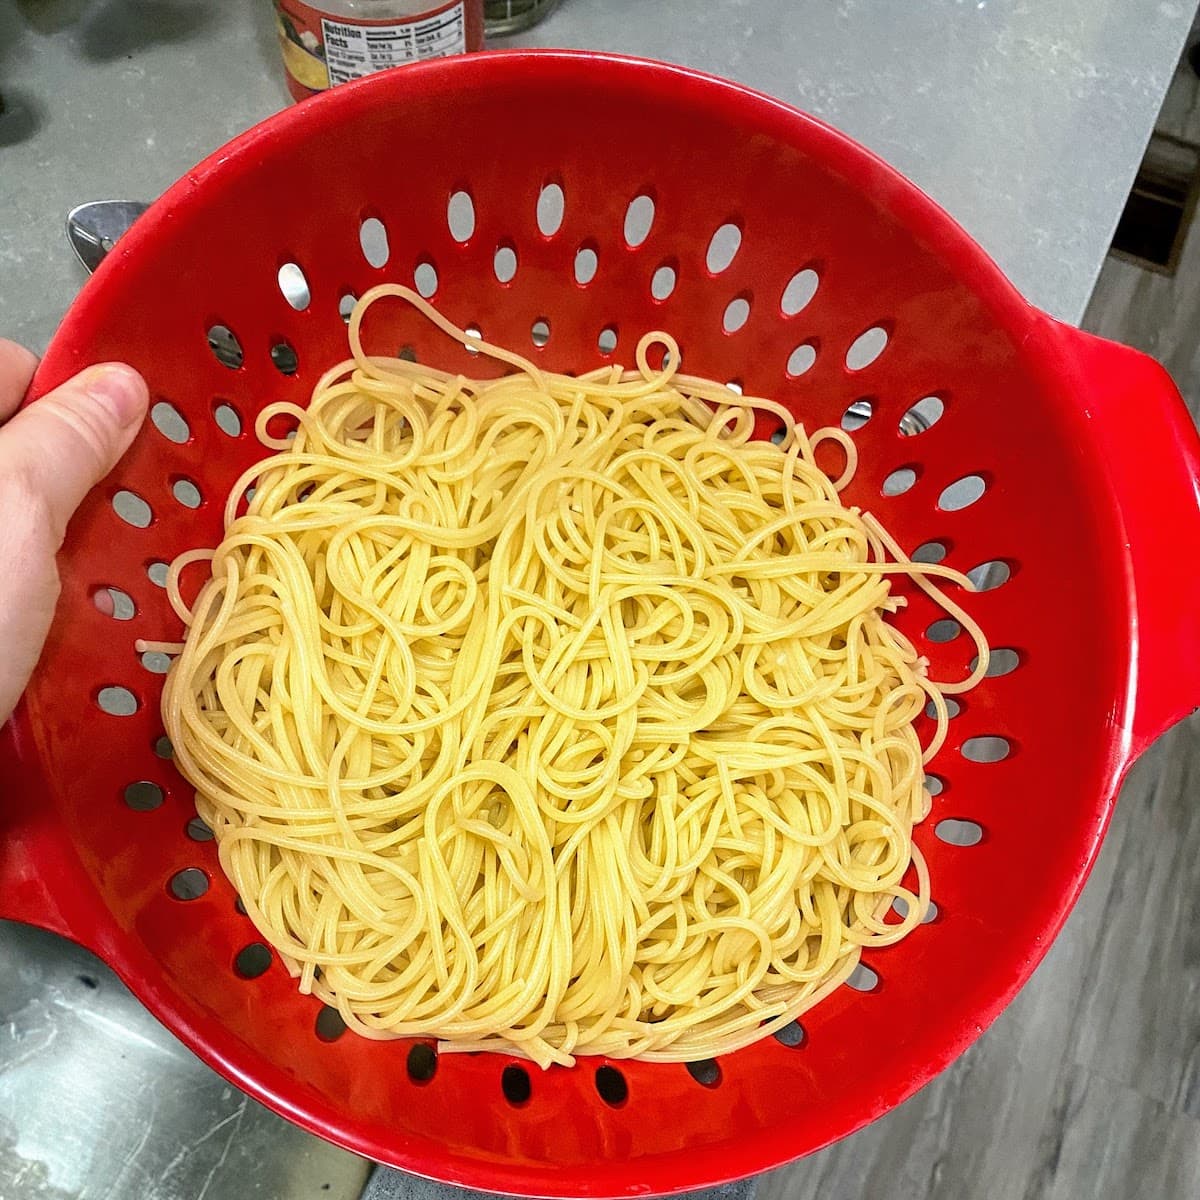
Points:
(614, 197)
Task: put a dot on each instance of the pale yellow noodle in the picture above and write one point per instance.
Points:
(556, 715)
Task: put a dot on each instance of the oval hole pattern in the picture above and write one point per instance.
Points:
(801, 360)
(189, 884)
(863, 979)
(169, 421)
(986, 749)
(800, 290)
(227, 419)
(346, 306)
(252, 960)
(900, 907)
(143, 796)
(899, 481)
(198, 830)
(226, 348)
(706, 1072)
(737, 312)
(611, 1086)
(943, 630)
(989, 575)
(329, 1024)
(586, 262)
(929, 552)
(117, 701)
(663, 283)
(540, 332)
(723, 248)
(935, 785)
(551, 206)
(923, 415)
(962, 493)
(294, 286)
(187, 493)
(156, 572)
(156, 662)
(857, 415)
(460, 216)
(1001, 661)
(639, 217)
(422, 1063)
(866, 348)
(953, 708)
(115, 603)
(285, 358)
(956, 832)
(373, 239)
(504, 263)
(163, 747)
(606, 343)
(132, 509)
(792, 1034)
(515, 1084)
(425, 278)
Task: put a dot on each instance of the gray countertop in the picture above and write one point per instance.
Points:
(1025, 118)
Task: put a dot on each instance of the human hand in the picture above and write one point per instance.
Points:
(51, 454)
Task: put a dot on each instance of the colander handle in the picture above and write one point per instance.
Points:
(1151, 452)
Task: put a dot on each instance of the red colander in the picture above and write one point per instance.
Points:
(563, 204)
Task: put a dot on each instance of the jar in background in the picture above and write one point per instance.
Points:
(511, 16)
(331, 41)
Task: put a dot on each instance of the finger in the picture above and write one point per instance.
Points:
(16, 370)
(65, 443)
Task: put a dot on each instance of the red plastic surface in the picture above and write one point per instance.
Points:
(1090, 465)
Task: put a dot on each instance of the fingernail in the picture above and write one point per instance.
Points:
(121, 389)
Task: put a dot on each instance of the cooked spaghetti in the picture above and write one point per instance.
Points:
(556, 715)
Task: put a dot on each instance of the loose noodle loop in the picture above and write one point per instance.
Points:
(555, 715)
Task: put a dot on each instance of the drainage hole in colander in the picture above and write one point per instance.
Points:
(551, 205)
(611, 1086)
(778, 436)
(294, 286)
(226, 348)
(539, 332)
(329, 1024)
(198, 830)
(801, 359)
(156, 662)
(422, 1065)
(186, 492)
(132, 509)
(923, 415)
(143, 796)
(662, 283)
(163, 747)
(863, 979)
(252, 960)
(284, 357)
(943, 630)
(116, 701)
(460, 216)
(956, 832)
(986, 749)
(1001, 661)
(723, 248)
(156, 572)
(857, 415)
(169, 421)
(899, 481)
(737, 312)
(706, 1072)
(639, 216)
(239, 906)
(792, 1034)
(990, 575)
(504, 262)
(473, 331)
(346, 306)
(189, 884)
(115, 603)
(953, 708)
(735, 386)
(586, 262)
(900, 908)
(930, 552)
(514, 1083)
(606, 343)
(866, 348)
(935, 785)
(962, 493)
(250, 493)
(800, 290)
(373, 239)
(228, 420)
(425, 278)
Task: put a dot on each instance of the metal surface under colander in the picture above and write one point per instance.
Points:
(622, 196)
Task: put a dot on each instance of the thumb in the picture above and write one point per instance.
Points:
(64, 444)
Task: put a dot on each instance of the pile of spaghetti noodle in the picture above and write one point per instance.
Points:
(555, 715)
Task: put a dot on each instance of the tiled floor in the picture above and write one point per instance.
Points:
(1089, 1084)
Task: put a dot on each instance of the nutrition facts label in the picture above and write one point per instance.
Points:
(352, 51)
